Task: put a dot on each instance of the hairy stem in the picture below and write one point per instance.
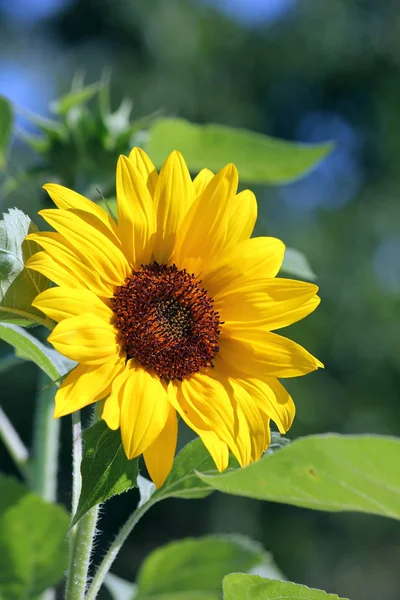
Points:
(115, 547)
(82, 534)
(80, 554)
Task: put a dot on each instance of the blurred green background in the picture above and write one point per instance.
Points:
(302, 70)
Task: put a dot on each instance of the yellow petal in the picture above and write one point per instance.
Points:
(84, 385)
(143, 165)
(261, 354)
(136, 217)
(86, 339)
(60, 303)
(259, 257)
(272, 399)
(256, 430)
(64, 266)
(89, 243)
(201, 181)
(43, 263)
(144, 409)
(66, 199)
(205, 399)
(272, 303)
(217, 448)
(242, 217)
(159, 456)
(173, 196)
(111, 412)
(203, 231)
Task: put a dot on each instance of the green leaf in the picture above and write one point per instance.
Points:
(29, 348)
(33, 551)
(18, 285)
(238, 586)
(324, 472)
(75, 98)
(105, 469)
(6, 128)
(182, 482)
(195, 565)
(296, 263)
(258, 158)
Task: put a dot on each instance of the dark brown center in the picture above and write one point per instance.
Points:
(167, 321)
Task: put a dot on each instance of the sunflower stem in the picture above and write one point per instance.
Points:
(45, 444)
(80, 554)
(115, 547)
(82, 535)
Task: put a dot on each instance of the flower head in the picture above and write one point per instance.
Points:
(170, 309)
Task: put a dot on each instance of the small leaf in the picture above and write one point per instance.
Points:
(105, 469)
(33, 551)
(238, 586)
(75, 98)
(323, 472)
(258, 158)
(119, 588)
(29, 348)
(296, 263)
(182, 482)
(18, 285)
(146, 489)
(6, 128)
(195, 566)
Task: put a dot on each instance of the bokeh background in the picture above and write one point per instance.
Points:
(298, 69)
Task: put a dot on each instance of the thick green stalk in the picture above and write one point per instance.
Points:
(82, 535)
(81, 549)
(45, 443)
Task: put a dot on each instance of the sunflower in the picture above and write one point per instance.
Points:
(169, 310)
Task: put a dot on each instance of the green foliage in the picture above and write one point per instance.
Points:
(183, 482)
(83, 144)
(323, 472)
(6, 127)
(32, 542)
(258, 158)
(29, 348)
(18, 285)
(251, 587)
(74, 99)
(296, 264)
(194, 568)
(105, 469)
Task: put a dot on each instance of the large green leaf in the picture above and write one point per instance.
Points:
(18, 285)
(238, 586)
(6, 127)
(324, 472)
(33, 551)
(195, 566)
(105, 469)
(258, 158)
(29, 348)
